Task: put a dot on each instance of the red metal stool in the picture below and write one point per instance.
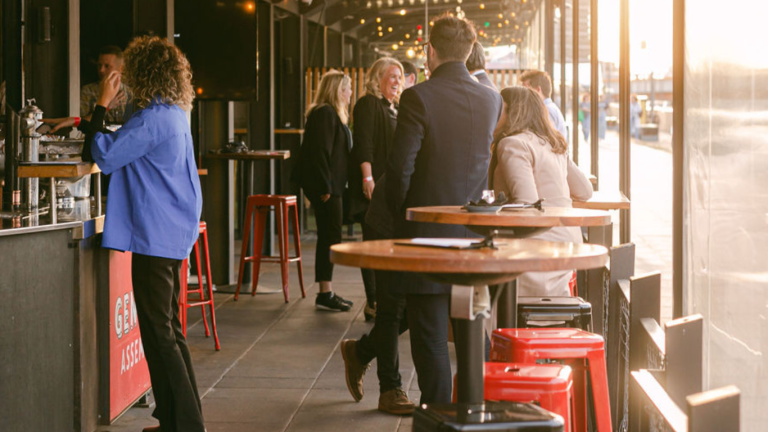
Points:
(575, 346)
(548, 385)
(184, 303)
(256, 213)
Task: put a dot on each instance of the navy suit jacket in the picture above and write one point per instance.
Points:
(439, 155)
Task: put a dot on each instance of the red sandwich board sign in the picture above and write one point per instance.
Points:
(128, 373)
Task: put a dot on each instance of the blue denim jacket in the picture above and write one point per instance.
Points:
(154, 200)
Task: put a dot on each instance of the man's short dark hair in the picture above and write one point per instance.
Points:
(537, 78)
(410, 68)
(113, 50)
(452, 38)
(476, 60)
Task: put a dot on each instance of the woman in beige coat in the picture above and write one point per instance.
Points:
(530, 162)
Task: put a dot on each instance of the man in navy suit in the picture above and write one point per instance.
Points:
(440, 155)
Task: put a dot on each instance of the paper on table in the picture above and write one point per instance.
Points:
(442, 243)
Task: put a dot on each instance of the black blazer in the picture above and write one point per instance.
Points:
(373, 126)
(440, 155)
(324, 155)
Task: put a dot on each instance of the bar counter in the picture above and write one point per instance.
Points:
(56, 321)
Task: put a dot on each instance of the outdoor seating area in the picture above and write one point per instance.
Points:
(389, 216)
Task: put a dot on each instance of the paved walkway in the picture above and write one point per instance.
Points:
(279, 368)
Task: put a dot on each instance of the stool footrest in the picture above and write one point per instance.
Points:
(272, 259)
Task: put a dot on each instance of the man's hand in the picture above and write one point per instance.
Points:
(325, 197)
(108, 89)
(59, 123)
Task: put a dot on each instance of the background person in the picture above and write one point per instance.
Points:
(110, 60)
(373, 113)
(374, 118)
(322, 173)
(411, 74)
(542, 84)
(439, 156)
(476, 65)
(529, 162)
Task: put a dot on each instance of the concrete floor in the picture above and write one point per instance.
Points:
(280, 368)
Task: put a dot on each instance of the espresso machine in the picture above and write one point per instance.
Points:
(30, 118)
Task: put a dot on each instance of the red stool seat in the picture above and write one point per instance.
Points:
(256, 215)
(581, 350)
(548, 385)
(184, 303)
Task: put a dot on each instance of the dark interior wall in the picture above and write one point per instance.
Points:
(315, 51)
(334, 49)
(350, 52)
(150, 17)
(219, 39)
(46, 62)
(288, 72)
(102, 23)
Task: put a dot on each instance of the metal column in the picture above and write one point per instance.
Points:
(625, 142)
(575, 29)
(549, 37)
(678, 156)
(594, 92)
(563, 21)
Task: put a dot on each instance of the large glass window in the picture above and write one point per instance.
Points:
(726, 200)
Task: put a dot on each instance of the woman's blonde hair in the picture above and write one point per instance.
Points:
(329, 93)
(157, 70)
(525, 112)
(377, 71)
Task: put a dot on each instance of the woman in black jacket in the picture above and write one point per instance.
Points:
(374, 120)
(322, 173)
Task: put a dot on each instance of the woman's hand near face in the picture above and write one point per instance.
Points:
(108, 89)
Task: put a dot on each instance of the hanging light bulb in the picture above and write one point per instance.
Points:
(395, 47)
(402, 12)
(378, 19)
(482, 5)
(362, 21)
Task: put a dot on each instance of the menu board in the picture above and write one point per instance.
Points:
(128, 373)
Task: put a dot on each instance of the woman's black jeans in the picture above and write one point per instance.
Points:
(329, 217)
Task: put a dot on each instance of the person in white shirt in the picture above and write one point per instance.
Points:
(542, 84)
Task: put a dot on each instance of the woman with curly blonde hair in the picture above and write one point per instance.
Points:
(153, 211)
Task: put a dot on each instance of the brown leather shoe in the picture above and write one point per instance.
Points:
(396, 401)
(152, 429)
(353, 370)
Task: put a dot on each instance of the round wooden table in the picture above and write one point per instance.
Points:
(469, 267)
(515, 223)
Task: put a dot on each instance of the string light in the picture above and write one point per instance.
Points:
(362, 21)
(402, 12)
(395, 47)
(378, 19)
(407, 36)
(389, 29)
(482, 5)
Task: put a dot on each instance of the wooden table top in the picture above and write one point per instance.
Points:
(56, 169)
(605, 200)
(253, 155)
(550, 217)
(513, 256)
